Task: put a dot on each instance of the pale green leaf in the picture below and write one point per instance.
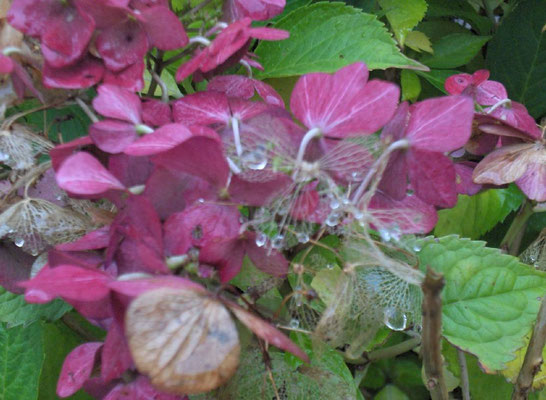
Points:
(168, 79)
(391, 392)
(490, 299)
(403, 15)
(327, 36)
(411, 85)
(418, 41)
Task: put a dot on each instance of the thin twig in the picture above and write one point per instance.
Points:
(157, 69)
(432, 335)
(163, 86)
(387, 352)
(512, 240)
(87, 110)
(464, 374)
(533, 357)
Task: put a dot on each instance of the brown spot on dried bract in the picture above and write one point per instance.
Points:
(183, 340)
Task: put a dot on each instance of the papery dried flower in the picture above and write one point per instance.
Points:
(19, 147)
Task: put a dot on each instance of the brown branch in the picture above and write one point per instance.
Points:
(533, 357)
(465, 384)
(432, 335)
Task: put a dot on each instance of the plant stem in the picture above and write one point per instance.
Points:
(512, 240)
(387, 352)
(432, 335)
(157, 70)
(533, 357)
(464, 374)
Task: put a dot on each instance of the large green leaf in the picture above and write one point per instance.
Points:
(437, 77)
(403, 15)
(475, 215)
(490, 300)
(14, 310)
(461, 9)
(327, 36)
(21, 359)
(454, 50)
(517, 55)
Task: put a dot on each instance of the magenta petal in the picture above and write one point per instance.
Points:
(115, 102)
(164, 29)
(490, 92)
(233, 86)
(244, 109)
(271, 262)
(71, 282)
(306, 203)
(115, 356)
(135, 287)
(97, 239)
(432, 175)
(259, 10)
(266, 331)
(83, 174)
(156, 112)
(122, 44)
(84, 74)
(269, 94)
(112, 136)
(162, 139)
(396, 127)
(15, 266)
(202, 108)
(394, 181)
(199, 156)
(191, 66)
(268, 33)
(441, 124)
(227, 255)
(410, 215)
(31, 16)
(62, 151)
(6, 66)
(456, 84)
(518, 117)
(464, 182)
(66, 36)
(130, 78)
(77, 368)
(130, 171)
(257, 188)
(533, 181)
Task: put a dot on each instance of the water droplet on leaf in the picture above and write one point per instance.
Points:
(261, 239)
(395, 319)
(277, 242)
(302, 237)
(19, 242)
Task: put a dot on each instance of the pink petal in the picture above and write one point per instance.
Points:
(259, 10)
(163, 139)
(306, 203)
(269, 94)
(517, 116)
(94, 240)
(227, 255)
(83, 174)
(71, 282)
(130, 78)
(490, 92)
(396, 127)
(6, 66)
(202, 108)
(244, 109)
(271, 262)
(456, 84)
(115, 357)
(135, 287)
(22, 81)
(433, 177)
(84, 74)
(191, 66)
(31, 16)
(257, 188)
(343, 104)
(115, 102)
(480, 76)
(268, 34)
(464, 182)
(15, 266)
(156, 113)
(233, 86)
(130, 171)
(66, 36)
(193, 155)
(62, 151)
(533, 182)
(112, 136)
(394, 181)
(122, 44)
(504, 165)
(77, 368)
(441, 124)
(266, 331)
(164, 29)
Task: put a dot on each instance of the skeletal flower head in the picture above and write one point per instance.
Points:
(19, 147)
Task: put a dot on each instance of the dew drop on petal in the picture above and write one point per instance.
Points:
(201, 200)
(395, 319)
(261, 239)
(255, 159)
(332, 219)
(19, 242)
(294, 323)
(302, 237)
(277, 242)
(334, 204)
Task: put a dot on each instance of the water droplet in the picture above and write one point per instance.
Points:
(416, 248)
(255, 159)
(19, 242)
(59, 197)
(261, 239)
(201, 200)
(298, 299)
(346, 201)
(294, 323)
(395, 319)
(358, 214)
(356, 176)
(302, 237)
(334, 204)
(277, 242)
(385, 235)
(410, 192)
(332, 219)
(330, 266)
(4, 156)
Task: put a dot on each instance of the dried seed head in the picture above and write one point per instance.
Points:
(20, 146)
(184, 340)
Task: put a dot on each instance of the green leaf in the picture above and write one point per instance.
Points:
(403, 15)
(14, 310)
(170, 83)
(21, 359)
(517, 55)
(411, 85)
(327, 36)
(436, 29)
(391, 392)
(461, 9)
(58, 341)
(418, 41)
(490, 300)
(437, 77)
(290, 6)
(454, 50)
(475, 215)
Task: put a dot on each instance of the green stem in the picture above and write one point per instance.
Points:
(387, 352)
(512, 240)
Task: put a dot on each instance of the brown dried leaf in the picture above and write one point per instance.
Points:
(182, 339)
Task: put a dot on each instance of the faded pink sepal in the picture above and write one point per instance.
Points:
(77, 368)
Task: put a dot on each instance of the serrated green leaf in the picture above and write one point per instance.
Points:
(403, 15)
(461, 9)
(418, 41)
(14, 310)
(490, 300)
(437, 77)
(58, 341)
(327, 36)
(411, 85)
(475, 215)
(454, 50)
(517, 55)
(21, 359)
(437, 28)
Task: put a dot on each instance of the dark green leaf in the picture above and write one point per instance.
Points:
(403, 15)
(517, 55)
(327, 36)
(460, 9)
(437, 77)
(391, 392)
(475, 215)
(454, 50)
